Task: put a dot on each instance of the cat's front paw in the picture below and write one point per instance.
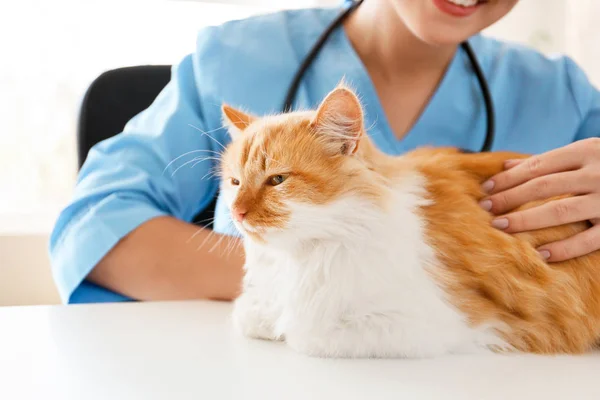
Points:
(252, 320)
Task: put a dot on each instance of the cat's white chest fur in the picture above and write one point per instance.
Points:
(361, 289)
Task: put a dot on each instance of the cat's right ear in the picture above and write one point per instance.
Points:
(236, 121)
(339, 119)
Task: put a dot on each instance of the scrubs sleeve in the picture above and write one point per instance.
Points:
(159, 165)
(587, 99)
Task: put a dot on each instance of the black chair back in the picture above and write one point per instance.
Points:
(112, 100)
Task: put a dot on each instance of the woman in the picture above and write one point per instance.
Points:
(127, 229)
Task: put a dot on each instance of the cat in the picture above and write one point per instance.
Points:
(354, 253)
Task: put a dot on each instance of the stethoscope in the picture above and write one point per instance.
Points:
(312, 54)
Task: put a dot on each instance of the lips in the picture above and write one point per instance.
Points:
(459, 8)
(467, 3)
(464, 3)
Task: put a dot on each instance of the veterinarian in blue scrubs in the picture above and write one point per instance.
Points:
(126, 234)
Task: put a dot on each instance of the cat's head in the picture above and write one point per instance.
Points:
(295, 174)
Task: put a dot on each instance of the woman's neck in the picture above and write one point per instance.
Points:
(386, 45)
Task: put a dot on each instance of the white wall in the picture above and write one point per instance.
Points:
(557, 26)
(583, 35)
(539, 23)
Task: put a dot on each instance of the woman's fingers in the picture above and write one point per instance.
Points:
(570, 170)
(559, 160)
(553, 213)
(578, 245)
(540, 188)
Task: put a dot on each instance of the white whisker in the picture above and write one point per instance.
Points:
(217, 244)
(269, 158)
(204, 159)
(210, 235)
(209, 136)
(213, 172)
(372, 125)
(198, 231)
(232, 244)
(188, 153)
(205, 222)
(194, 160)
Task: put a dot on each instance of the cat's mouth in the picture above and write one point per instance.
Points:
(248, 227)
(258, 234)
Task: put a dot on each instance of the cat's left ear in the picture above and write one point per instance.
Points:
(236, 120)
(340, 119)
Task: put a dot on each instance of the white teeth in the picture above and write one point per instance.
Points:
(464, 3)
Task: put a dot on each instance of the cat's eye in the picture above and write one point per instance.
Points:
(235, 182)
(276, 180)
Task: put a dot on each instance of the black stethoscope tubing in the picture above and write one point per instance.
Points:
(312, 54)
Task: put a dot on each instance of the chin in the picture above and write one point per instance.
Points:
(438, 32)
(262, 236)
(433, 24)
(283, 239)
(249, 232)
(442, 36)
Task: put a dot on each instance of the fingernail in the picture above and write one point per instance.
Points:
(545, 254)
(500, 223)
(488, 186)
(510, 163)
(486, 205)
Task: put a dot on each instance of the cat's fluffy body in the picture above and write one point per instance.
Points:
(354, 253)
(360, 290)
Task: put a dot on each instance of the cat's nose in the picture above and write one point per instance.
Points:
(239, 213)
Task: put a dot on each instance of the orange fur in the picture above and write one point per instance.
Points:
(489, 275)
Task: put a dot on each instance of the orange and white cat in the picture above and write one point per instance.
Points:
(354, 253)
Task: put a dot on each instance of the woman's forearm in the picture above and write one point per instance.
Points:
(167, 259)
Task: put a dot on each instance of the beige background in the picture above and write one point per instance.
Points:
(25, 276)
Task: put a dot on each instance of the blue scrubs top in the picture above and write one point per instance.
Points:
(541, 103)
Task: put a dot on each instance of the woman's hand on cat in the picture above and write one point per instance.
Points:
(570, 170)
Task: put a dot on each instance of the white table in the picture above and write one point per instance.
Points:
(188, 350)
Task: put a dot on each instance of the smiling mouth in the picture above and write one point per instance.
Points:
(459, 8)
(467, 3)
